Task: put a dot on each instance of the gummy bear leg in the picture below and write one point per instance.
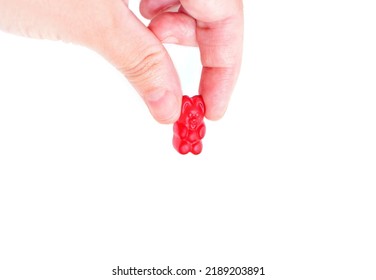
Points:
(184, 148)
(197, 148)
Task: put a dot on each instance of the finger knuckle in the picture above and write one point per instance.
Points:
(144, 66)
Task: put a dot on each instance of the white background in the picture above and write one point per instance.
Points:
(89, 181)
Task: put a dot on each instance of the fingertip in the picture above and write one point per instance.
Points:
(214, 116)
(150, 8)
(212, 11)
(145, 10)
(216, 87)
(174, 28)
(164, 106)
(215, 112)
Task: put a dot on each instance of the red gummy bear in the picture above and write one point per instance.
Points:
(190, 127)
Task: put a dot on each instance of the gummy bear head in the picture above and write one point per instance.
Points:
(193, 111)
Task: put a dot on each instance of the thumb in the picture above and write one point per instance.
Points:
(135, 51)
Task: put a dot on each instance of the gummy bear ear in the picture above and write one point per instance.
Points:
(186, 102)
(199, 103)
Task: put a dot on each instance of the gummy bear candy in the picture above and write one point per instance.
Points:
(190, 127)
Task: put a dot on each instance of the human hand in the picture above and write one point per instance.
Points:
(112, 30)
(216, 27)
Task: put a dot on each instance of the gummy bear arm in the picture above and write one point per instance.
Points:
(202, 131)
(180, 130)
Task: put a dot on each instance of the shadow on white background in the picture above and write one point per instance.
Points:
(89, 181)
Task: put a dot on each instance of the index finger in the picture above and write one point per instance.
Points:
(219, 34)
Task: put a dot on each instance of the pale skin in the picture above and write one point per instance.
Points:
(111, 29)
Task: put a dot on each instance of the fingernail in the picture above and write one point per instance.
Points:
(164, 106)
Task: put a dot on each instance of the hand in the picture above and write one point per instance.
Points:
(216, 26)
(111, 29)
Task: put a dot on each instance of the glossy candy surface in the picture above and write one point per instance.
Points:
(190, 128)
